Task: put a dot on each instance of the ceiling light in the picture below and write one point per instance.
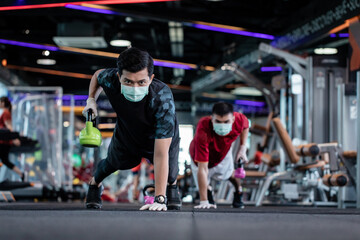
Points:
(246, 91)
(120, 43)
(4, 62)
(271, 69)
(325, 51)
(46, 61)
(46, 53)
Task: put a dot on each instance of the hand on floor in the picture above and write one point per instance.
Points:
(205, 205)
(154, 207)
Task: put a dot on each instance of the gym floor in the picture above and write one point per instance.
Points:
(123, 221)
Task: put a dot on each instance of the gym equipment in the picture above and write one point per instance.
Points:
(90, 136)
(5, 134)
(338, 179)
(10, 185)
(240, 171)
(149, 192)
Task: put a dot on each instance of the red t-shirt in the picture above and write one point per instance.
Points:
(207, 146)
(6, 116)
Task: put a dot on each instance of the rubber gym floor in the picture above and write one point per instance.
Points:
(27, 221)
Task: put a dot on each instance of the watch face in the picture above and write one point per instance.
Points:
(160, 199)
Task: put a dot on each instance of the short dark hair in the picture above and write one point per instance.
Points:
(134, 60)
(7, 102)
(222, 108)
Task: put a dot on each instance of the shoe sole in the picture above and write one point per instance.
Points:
(93, 206)
(241, 207)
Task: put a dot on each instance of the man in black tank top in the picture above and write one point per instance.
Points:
(146, 126)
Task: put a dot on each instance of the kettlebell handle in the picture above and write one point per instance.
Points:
(240, 163)
(89, 115)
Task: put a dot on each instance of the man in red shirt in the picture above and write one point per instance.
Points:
(211, 151)
(5, 123)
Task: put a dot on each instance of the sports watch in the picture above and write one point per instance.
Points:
(160, 199)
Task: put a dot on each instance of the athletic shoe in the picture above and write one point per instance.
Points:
(210, 197)
(173, 197)
(237, 201)
(93, 197)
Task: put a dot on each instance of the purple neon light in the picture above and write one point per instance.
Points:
(333, 35)
(271, 69)
(29, 45)
(91, 9)
(172, 65)
(232, 31)
(250, 103)
(344, 35)
(76, 97)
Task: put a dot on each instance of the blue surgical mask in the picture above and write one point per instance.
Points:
(134, 94)
(222, 129)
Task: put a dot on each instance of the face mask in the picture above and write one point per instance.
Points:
(222, 129)
(134, 94)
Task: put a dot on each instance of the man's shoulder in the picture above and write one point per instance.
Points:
(204, 122)
(239, 116)
(6, 114)
(107, 76)
(157, 85)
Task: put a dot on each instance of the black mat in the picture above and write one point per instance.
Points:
(123, 221)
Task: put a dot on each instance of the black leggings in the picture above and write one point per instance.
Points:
(103, 169)
(4, 155)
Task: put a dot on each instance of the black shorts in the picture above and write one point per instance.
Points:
(121, 158)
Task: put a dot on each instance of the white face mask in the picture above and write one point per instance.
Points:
(134, 94)
(222, 129)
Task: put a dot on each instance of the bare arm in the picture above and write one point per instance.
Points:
(161, 165)
(243, 137)
(202, 176)
(8, 125)
(94, 88)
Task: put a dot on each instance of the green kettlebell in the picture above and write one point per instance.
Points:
(90, 136)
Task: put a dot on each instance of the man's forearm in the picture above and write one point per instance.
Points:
(94, 88)
(243, 137)
(203, 183)
(161, 171)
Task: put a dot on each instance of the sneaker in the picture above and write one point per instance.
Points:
(210, 197)
(173, 197)
(237, 201)
(93, 197)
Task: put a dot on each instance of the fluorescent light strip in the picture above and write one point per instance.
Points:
(29, 45)
(75, 97)
(157, 62)
(48, 71)
(75, 75)
(271, 69)
(161, 63)
(232, 31)
(90, 52)
(92, 9)
(250, 103)
(343, 35)
(52, 5)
